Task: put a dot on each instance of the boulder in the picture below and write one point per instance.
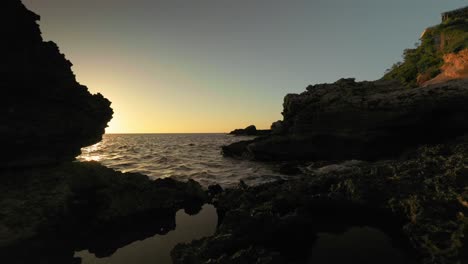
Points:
(47, 116)
(362, 120)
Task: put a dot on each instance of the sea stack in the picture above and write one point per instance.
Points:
(47, 116)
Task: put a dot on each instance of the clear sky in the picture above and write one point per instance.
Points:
(216, 65)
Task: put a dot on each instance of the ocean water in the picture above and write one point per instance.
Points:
(180, 156)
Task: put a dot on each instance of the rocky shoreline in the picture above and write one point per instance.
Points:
(423, 195)
(362, 147)
(365, 148)
(360, 120)
(365, 153)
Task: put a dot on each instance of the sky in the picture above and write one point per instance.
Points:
(185, 66)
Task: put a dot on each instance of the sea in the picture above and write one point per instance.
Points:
(198, 157)
(180, 156)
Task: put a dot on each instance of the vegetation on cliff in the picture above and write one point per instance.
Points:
(424, 62)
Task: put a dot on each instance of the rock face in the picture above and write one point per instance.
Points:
(47, 116)
(249, 131)
(361, 120)
(455, 67)
(420, 200)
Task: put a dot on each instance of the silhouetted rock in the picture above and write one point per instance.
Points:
(50, 205)
(249, 131)
(47, 116)
(361, 120)
(87, 206)
(419, 200)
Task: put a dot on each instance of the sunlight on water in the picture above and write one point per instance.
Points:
(180, 156)
(90, 153)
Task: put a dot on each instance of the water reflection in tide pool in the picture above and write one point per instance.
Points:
(363, 245)
(157, 249)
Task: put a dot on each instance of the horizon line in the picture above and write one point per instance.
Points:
(148, 133)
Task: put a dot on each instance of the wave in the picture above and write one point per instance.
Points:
(181, 156)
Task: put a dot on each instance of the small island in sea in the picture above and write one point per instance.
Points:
(355, 172)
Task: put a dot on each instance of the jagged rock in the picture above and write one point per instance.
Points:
(362, 120)
(421, 196)
(47, 116)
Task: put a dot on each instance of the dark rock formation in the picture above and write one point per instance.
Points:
(51, 206)
(47, 116)
(85, 205)
(249, 131)
(420, 200)
(361, 120)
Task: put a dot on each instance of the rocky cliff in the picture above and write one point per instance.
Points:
(361, 120)
(47, 116)
(455, 67)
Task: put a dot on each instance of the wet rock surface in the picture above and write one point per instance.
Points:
(47, 116)
(55, 210)
(418, 199)
(361, 120)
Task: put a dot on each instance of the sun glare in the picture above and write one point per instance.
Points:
(91, 153)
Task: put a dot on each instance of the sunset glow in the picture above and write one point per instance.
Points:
(213, 66)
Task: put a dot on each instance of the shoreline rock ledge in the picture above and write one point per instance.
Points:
(361, 120)
(47, 116)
